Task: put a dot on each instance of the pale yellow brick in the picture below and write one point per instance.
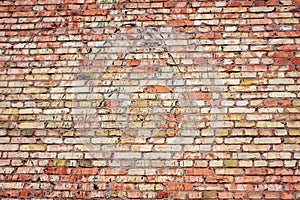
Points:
(269, 124)
(241, 110)
(30, 170)
(43, 155)
(201, 163)
(271, 110)
(258, 117)
(7, 170)
(215, 163)
(282, 94)
(260, 163)
(247, 124)
(70, 155)
(246, 156)
(267, 140)
(286, 147)
(280, 132)
(226, 147)
(180, 140)
(125, 155)
(290, 163)
(104, 140)
(294, 132)
(277, 155)
(12, 185)
(294, 124)
(154, 155)
(186, 163)
(276, 163)
(33, 147)
(35, 90)
(245, 163)
(260, 9)
(31, 125)
(287, 21)
(8, 111)
(256, 147)
(167, 148)
(231, 171)
(238, 140)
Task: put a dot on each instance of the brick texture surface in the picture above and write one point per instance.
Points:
(149, 99)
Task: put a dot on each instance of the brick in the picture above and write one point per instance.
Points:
(33, 147)
(159, 89)
(9, 147)
(179, 187)
(199, 171)
(31, 125)
(249, 179)
(267, 140)
(57, 171)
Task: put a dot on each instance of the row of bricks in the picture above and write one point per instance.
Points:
(188, 138)
(86, 175)
(113, 124)
(95, 161)
(15, 194)
(269, 14)
(162, 2)
(135, 137)
(198, 32)
(142, 152)
(251, 61)
(155, 187)
(138, 8)
(255, 75)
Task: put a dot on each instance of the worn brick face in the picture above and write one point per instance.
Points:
(119, 99)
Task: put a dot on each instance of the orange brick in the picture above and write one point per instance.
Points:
(159, 89)
(199, 171)
(179, 187)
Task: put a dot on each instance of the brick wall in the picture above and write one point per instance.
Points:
(149, 99)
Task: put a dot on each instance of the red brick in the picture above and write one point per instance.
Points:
(96, 12)
(57, 171)
(255, 171)
(296, 2)
(259, 3)
(84, 171)
(291, 179)
(287, 195)
(123, 186)
(162, 195)
(199, 171)
(295, 61)
(235, 4)
(133, 62)
(272, 195)
(198, 95)
(249, 179)
(270, 102)
(25, 193)
(159, 89)
(219, 179)
(285, 102)
(280, 54)
(180, 23)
